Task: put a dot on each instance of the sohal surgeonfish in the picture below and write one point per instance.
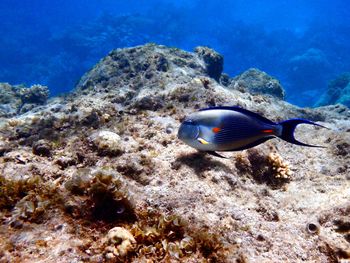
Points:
(233, 129)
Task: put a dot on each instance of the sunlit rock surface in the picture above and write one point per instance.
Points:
(62, 191)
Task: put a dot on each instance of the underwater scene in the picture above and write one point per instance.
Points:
(174, 131)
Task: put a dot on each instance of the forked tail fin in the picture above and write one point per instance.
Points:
(288, 128)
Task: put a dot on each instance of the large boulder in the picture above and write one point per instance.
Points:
(140, 67)
(256, 81)
(338, 91)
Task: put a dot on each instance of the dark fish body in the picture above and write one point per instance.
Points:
(233, 129)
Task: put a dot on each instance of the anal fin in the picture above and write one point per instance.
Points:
(216, 154)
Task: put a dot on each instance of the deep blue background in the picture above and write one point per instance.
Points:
(303, 43)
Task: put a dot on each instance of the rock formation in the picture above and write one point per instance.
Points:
(338, 91)
(99, 175)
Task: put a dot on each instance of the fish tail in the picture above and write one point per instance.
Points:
(288, 128)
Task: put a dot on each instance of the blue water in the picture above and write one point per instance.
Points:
(304, 44)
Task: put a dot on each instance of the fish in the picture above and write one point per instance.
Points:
(225, 128)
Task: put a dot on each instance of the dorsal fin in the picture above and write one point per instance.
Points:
(241, 110)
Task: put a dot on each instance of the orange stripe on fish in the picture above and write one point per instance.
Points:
(216, 129)
(267, 131)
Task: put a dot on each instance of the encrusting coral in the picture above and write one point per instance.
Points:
(108, 196)
(278, 167)
(120, 242)
(163, 237)
(270, 169)
(29, 198)
(107, 143)
(149, 234)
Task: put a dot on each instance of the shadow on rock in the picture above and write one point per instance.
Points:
(199, 162)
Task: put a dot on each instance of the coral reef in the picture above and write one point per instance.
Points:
(258, 82)
(20, 99)
(214, 62)
(27, 198)
(121, 241)
(9, 102)
(108, 196)
(99, 175)
(338, 91)
(270, 169)
(278, 167)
